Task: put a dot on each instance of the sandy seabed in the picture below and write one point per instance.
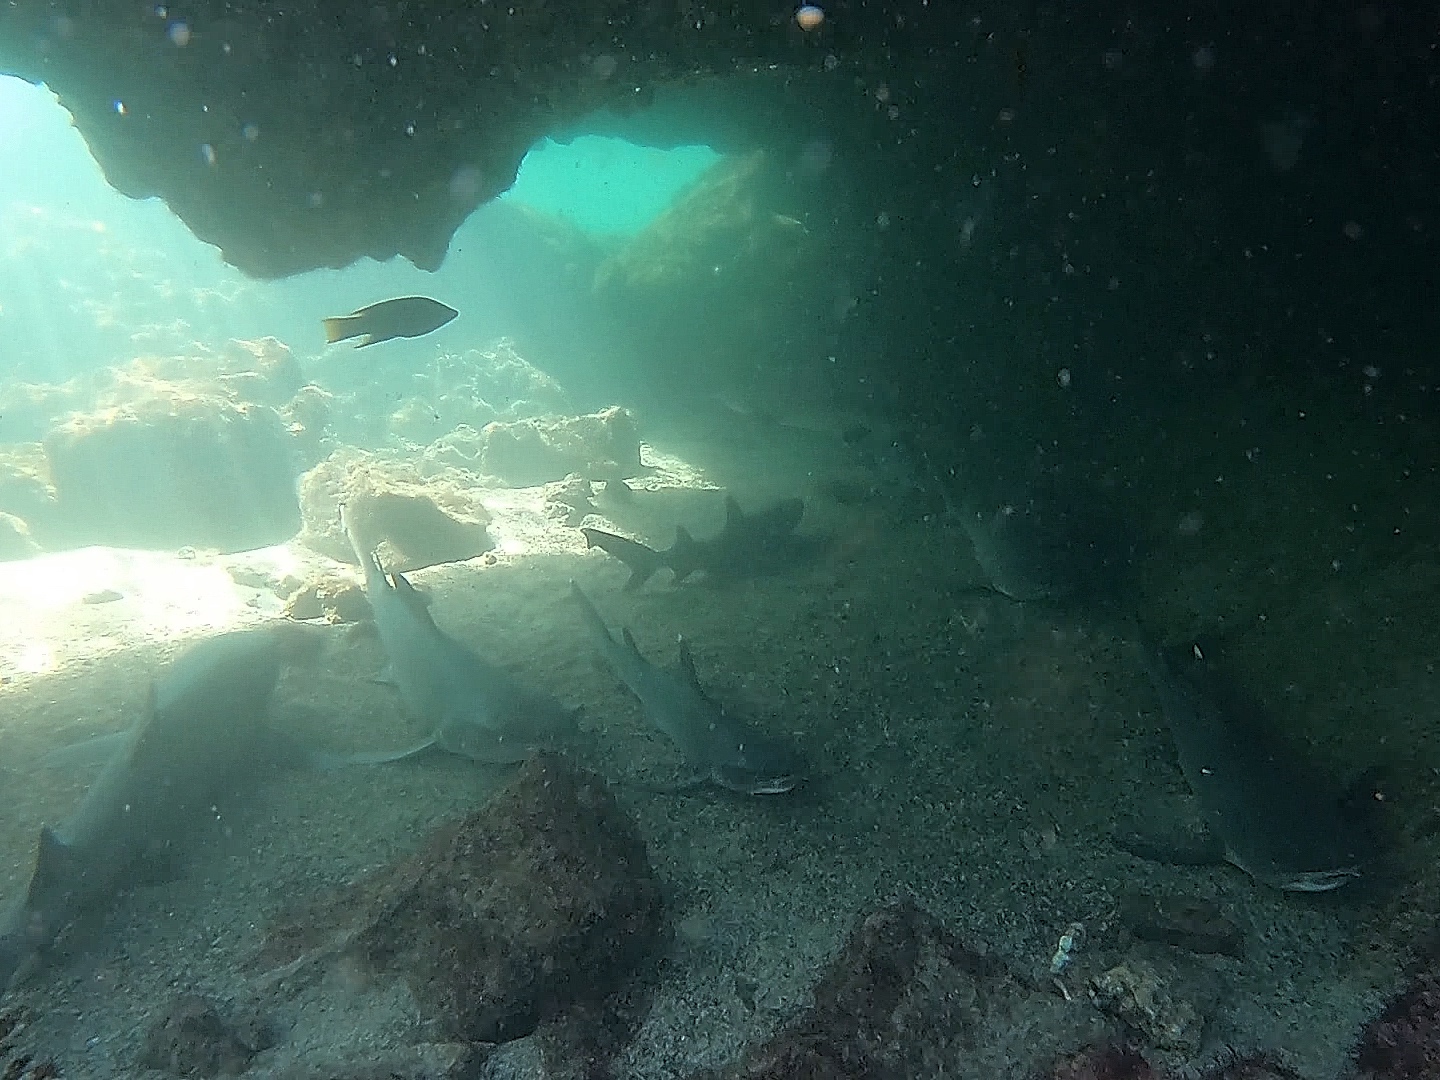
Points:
(967, 751)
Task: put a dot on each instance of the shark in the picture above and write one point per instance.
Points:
(748, 543)
(470, 706)
(1051, 547)
(1058, 539)
(204, 726)
(724, 748)
(1265, 811)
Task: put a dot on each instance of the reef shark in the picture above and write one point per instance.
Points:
(1264, 810)
(204, 725)
(748, 543)
(470, 706)
(723, 747)
(1052, 546)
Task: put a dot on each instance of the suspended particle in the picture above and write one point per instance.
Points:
(466, 184)
(809, 17)
(179, 33)
(207, 154)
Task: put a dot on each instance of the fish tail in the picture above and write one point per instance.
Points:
(339, 328)
(592, 617)
(643, 561)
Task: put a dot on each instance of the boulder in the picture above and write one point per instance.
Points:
(540, 904)
(415, 519)
(908, 999)
(174, 469)
(527, 453)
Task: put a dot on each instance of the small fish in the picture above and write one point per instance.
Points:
(204, 726)
(748, 544)
(470, 706)
(1271, 816)
(725, 748)
(407, 317)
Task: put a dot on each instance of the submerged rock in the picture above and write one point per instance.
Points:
(540, 903)
(906, 998)
(190, 1038)
(174, 469)
(19, 1061)
(334, 599)
(526, 453)
(473, 388)
(417, 520)
(1403, 1042)
(1137, 994)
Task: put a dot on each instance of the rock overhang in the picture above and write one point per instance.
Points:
(299, 136)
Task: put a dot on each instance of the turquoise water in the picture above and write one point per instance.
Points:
(84, 269)
(606, 185)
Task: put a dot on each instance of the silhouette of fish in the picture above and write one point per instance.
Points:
(204, 726)
(1267, 811)
(748, 544)
(407, 317)
(725, 748)
(470, 706)
(1059, 540)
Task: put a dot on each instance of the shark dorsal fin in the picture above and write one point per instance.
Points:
(687, 663)
(734, 516)
(411, 598)
(685, 556)
(52, 861)
(144, 727)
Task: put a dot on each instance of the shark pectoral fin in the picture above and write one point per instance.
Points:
(87, 752)
(685, 780)
(326, 761)
(1175, 849)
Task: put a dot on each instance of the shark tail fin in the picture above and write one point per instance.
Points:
(643, 561)
(685, 555)
(592, 617)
